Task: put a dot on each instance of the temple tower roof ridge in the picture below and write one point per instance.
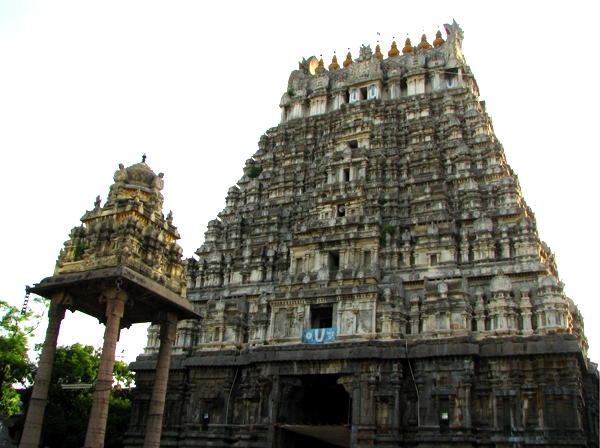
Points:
(313, 90)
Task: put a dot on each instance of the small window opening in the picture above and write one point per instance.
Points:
(205, 421)
(451, 79)
(433, 260)
(341, 210)
(506, 414)
(346, 174)
(444, 411)
(321, 316)
(363, 93)
(346, 97)
(353, 144)
(403, 86)
(372, 91)
(333, 260)
(368, 259)
(298, 265)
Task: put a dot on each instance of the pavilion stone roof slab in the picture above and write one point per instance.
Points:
(84, 289)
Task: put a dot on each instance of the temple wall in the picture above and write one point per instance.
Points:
(473, 392)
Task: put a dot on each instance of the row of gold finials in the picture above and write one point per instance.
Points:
(408, 48)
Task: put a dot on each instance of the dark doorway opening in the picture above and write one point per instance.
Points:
(316, 401)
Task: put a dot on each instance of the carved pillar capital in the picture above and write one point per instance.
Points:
(168, 325)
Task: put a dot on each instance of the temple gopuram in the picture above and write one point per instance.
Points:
(376, 279)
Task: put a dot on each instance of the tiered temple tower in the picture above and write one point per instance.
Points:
(377, 279)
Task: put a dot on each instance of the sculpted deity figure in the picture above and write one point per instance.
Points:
(365, 53)
(247, 253)
(433, 230)
(464, 234)
(120, 175)
(263, 299)
(349, 323)
(120, 178)
(387, 295)
(323, 273)
(158, 182)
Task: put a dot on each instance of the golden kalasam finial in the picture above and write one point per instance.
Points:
(334, 63)
(378, 53)
(321, 66)
(407, 46)
(438, 39)
(348, 60)
(394, 50)
(424, 45)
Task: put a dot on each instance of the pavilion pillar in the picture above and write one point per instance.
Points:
(39, 395)
(154, 422)
(115, 306)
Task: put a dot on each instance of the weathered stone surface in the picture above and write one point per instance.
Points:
(380, 216)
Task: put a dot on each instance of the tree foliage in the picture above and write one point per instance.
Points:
(68, 410)
(15, 366)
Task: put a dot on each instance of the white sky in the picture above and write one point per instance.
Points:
(85, 86)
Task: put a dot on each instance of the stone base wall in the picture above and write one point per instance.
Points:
(510, 392)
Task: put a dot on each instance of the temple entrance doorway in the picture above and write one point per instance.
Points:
(315, 412)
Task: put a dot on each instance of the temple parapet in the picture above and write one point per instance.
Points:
(422, 69)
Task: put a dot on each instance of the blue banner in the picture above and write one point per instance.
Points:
(319, 335)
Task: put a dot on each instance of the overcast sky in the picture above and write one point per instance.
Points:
(85, 86)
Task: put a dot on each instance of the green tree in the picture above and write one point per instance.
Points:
(68, 410)
(15, 366)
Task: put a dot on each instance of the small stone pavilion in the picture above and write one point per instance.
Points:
(122, 265)
(376, 279)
